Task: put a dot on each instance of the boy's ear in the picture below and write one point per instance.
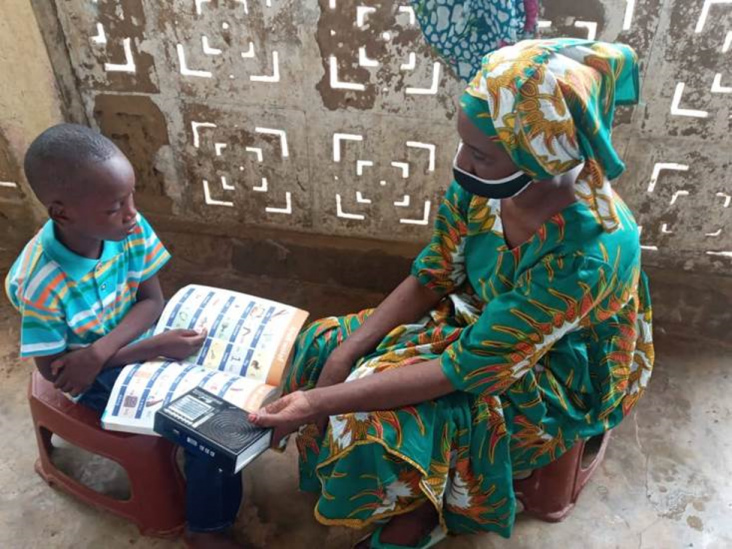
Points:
(57, 212)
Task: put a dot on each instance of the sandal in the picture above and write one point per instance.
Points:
(432, 539)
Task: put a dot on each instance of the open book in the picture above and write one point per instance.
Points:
(243, 360)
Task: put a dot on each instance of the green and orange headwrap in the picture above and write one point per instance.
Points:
(479, 114)
(551, 104)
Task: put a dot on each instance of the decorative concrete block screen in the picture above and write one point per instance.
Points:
(335, 117)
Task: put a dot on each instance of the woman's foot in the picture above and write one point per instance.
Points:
(409, 529)
(213, 540)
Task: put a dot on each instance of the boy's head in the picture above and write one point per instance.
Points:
(84, 180)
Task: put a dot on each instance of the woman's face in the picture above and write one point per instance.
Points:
(480, 155)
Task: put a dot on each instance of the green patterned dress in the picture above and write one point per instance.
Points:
(546, 343)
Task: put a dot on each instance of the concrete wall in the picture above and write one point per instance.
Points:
(312, 140)
(334, 117)
(28, 104)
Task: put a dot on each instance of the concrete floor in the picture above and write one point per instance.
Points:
(666, 481)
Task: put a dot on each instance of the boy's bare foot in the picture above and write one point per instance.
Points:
(409, 529)
(214, 540)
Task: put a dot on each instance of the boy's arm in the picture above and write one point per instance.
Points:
(137, 321)
(74, 372)
(174, 344)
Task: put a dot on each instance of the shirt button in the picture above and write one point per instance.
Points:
(104, 287)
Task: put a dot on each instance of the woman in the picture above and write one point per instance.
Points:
(524, 326)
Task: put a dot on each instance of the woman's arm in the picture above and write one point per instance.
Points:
(387, 390)
(409, 302)
(437, 271)
(513, 332)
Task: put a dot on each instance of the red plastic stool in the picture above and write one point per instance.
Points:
(551, 492)
(157, 499)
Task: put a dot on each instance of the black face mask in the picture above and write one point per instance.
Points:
(507, 187)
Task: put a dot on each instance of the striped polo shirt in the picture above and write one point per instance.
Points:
(67, 301)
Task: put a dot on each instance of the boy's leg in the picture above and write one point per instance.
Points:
(97, 396)
(212, 497)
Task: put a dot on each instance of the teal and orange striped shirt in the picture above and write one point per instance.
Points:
(67, 301)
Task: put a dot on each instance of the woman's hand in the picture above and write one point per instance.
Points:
(287, 414)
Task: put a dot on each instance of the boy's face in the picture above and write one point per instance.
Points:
(103, 207)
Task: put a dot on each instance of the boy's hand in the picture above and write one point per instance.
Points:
(75, 371)
(179, 344)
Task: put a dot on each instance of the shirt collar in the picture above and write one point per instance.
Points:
(73, 264)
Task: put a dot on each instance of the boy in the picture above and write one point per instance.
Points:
(87, 289)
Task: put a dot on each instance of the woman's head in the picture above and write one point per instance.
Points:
(483, 167)
(480, 154)
(545, 107)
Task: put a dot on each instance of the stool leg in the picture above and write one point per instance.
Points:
(157, 488)
(55, 477)
(584, 474)
(548, 493)
(44, 466)
(44, 436)
(157, 502)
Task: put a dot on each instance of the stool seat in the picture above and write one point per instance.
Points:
(551, 492)
(157, 488)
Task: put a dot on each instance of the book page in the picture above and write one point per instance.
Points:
(247, 336)
(142, 389)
